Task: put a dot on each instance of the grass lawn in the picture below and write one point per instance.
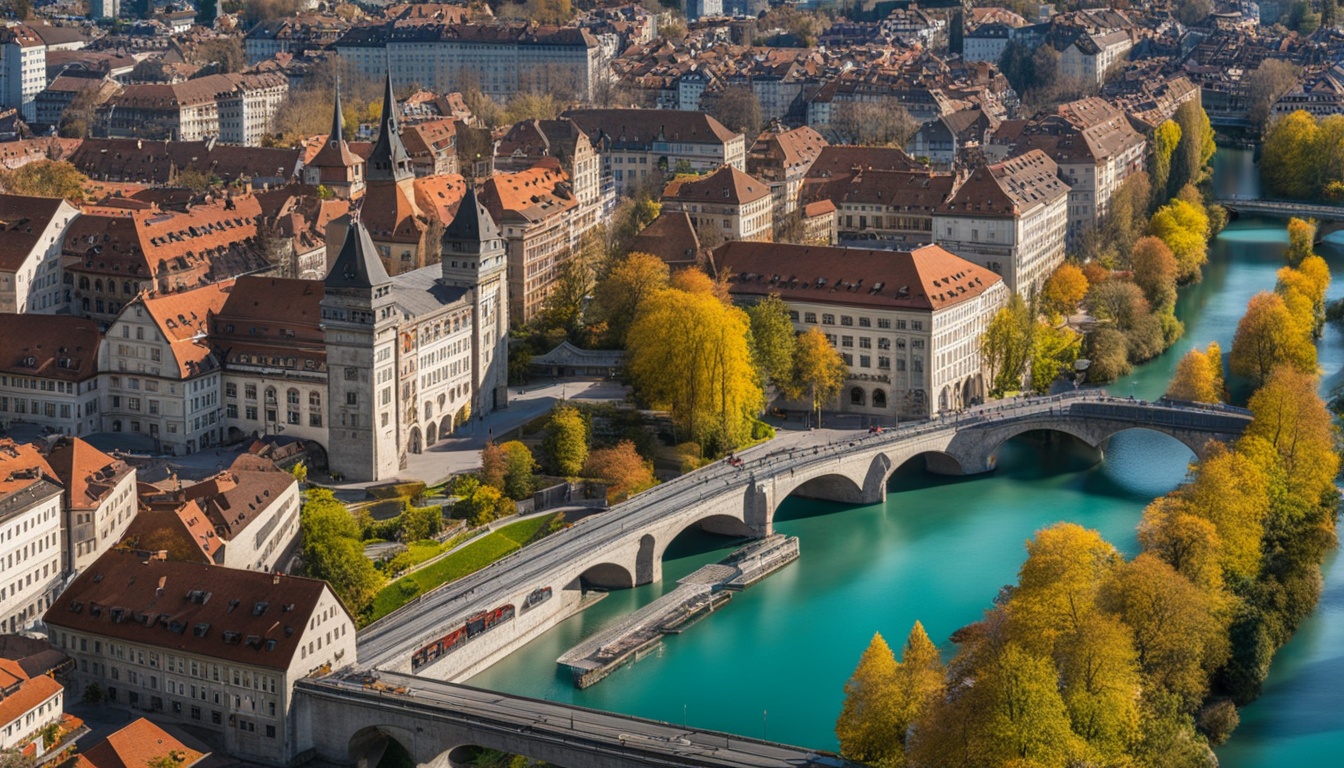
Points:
(471, 558)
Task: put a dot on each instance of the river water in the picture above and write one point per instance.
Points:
(774, 661)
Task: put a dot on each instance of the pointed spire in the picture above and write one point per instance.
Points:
(337, 134)
(357, 265)
(473, 223)
(389, 161)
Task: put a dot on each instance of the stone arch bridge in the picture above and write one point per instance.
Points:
(456, 631)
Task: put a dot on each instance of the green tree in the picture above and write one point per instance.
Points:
(1053, 352)
(1006, 346)
(1025, 720)
(332, 550)
(419, 523)
(519, 468)
(1195, 149)
(869, 727)
(1293, 435)
(818, 371)
(566, 443)
(1165, 139)
(1232, 492)
(773, 340)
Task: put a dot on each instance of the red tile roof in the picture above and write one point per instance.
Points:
(87, 473)
(138, 745)
(239, 616)
(49, 346)
(926, 278)
(725, 186)
(183, 319)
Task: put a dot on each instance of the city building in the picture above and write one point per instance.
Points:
(212, 648)
(1096, 149)
(1011, 218)
(268, 336)
(782, 159)
(727, 205)
(334, 166)
(23, 68)
(49, 372)
(502, 59)
(53, 100)
(882, 207)
(529, 141)
(31, 232)
(672, 238)
(907, 323)
(411, 357)
(251, 509)
(1091, 56)
(162, 379)
(30, 529)
(141, 744)
(233, 108)
(647, 146)
(99, 499)
(104, 9)
(535, 211)
(952, 138)
(29, 705)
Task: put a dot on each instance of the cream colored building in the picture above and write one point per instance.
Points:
(220, 655)
(1009, 217)
(727, 201)
(647, 146)
(907, 323)
(30, 535)
(31, 232)
(100, 499)
(1090, 57)
(49, 372)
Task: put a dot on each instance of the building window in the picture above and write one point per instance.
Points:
(828, 319)
(884, 322)
(251, 412)
(846, 320)
(352, 398)
(810, 317)
(231, 391)
(314, 419)
(231, 411)
(250, 391)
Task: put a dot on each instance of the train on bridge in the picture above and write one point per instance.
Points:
(473, 627)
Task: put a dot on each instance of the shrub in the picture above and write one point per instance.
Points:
(1218, 719)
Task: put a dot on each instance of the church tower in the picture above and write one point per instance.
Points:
(474, 258)
(359, 320)
(335, 166)
(390, 212)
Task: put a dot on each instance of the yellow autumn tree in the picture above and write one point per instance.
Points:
(818, 370)
(1268, 336)
(1064, 289)
(870, 727)
(1301, 239)
(1186, 542)
(1292, 434)
(1058, 583)
(1232, 492)
(689, 353)
(1184, 227)
(1195, 379)
(1303, 289)
(617, 296)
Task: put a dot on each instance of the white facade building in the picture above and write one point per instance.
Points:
(100, 499)
(30, 535)
(23, 69)
(49, 372)
(31, 232)
(1011, 218)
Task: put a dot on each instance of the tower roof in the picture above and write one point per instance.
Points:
(335, 152)
(473, 223)
(389, 161)
(357, 265)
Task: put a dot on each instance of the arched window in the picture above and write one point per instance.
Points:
(270, 395)
(84, 283)
(126, 287)
(98, 285)
(879, 399)
(856, 396)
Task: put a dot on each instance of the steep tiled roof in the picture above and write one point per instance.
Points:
(439, 196)
(49, 346)
(22, 222)
(183, 319)
(22, 467)
(234, 498)
(357, 264)
(534, 194)
(1010, 188)
(137, 745)
(671, 237)
(87, 473)
(179, 529)
(29, 695)
(638, 127)
(238, 616)
(727, 185)
(927, 278)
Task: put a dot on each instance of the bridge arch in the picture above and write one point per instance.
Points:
(977, 449)
(933, 461)
(608, 575)
(370, 745)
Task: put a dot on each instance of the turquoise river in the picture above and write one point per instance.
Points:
(773, 662)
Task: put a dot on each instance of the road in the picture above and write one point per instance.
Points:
(396, 635)
(635, 740)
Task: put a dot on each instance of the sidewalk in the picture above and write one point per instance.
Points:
(461, 452)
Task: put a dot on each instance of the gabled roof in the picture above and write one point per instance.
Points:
(23, 220)
(1009, 189)
(184, 320)
(239, 616)
(87, 473)
(49, 346)
(640, 127)
(22, 468)
(137, 745)
(357, 264)
(671, 237)
(725, 186)
(927, 278)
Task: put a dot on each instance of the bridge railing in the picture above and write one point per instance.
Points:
(719, 476)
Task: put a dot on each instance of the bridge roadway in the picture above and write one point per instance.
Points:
(388, 643)
(1330, 213)
(556, 730)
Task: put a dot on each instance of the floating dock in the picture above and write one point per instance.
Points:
(696, 596)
